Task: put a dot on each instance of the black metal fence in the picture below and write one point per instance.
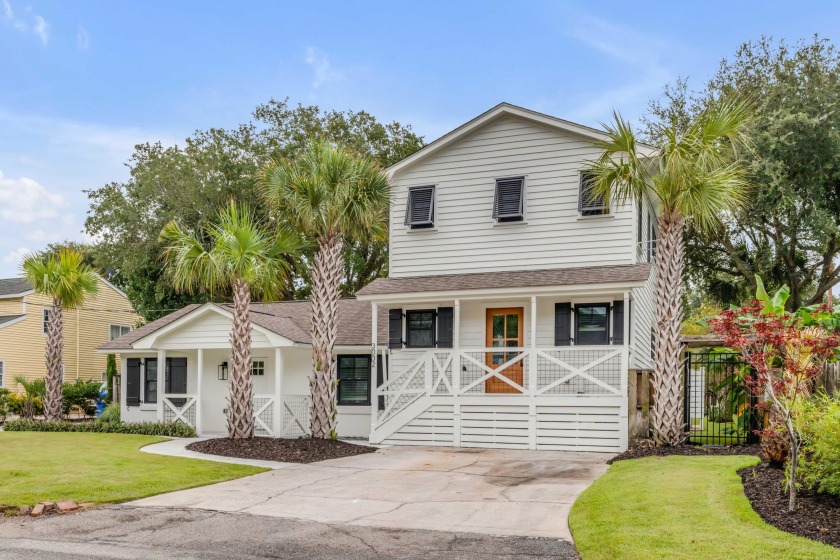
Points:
(720, 408)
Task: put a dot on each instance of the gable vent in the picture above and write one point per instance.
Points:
(508, 204)
(420, 211)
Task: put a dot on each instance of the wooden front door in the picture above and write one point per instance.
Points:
(504, 330)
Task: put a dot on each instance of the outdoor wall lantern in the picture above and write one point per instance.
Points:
(223, 371)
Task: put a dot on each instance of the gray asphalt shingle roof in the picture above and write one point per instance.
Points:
(9, 286)
(289, 319)
(628, 273)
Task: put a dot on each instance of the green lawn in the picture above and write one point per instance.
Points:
(679, 508)
(36, 466)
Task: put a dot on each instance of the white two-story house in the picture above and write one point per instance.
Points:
(516, 308)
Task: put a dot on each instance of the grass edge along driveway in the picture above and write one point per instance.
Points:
(100, 468)
(680, 508)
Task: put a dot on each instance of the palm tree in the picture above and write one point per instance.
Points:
(333, 197)
(64, 277)
(691, 176)
(247, 258)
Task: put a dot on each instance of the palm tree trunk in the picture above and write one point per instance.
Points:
(55, 348)
(326, 284)
(240, 420)
(668, 417)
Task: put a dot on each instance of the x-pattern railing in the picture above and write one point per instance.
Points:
(184, 413)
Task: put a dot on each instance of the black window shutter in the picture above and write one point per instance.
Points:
(420, 209)
(508, 202)
(618, 322)
(563, 324)
(395, 328)
(444, 327)
(132, 382)
(590, 204)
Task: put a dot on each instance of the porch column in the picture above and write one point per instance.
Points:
(532, 379)
(624, 424)
(374, 386)
(199, 363)
(161, 365)
(279, 405)
(456, 373)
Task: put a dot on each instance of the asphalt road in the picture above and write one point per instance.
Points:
(125, 532)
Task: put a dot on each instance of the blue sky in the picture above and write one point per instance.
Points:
(82, 82)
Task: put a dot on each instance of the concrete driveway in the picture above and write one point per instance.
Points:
(493, 492)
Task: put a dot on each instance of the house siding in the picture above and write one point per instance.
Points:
(467, 239)
(23, 344)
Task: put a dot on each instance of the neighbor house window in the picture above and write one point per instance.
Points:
(420, 209)
(420, 328)
(117, 331)
(509, 201)
(592, 324)
(354, 380)
(258, 367)
(151, 380)
(590, 203)
(2, 374)
(45, 320)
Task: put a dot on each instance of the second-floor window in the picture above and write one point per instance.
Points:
(509, 201)
(589, 202)
(420, 209)
(117, 331)
(46, 320)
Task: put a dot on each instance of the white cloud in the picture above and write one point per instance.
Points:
(42, 29)
(82, 38)
(25, 201)
(38, 26)
(321, 67)
(14, 258)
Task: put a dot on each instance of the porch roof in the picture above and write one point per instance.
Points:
(289, 319)
(618, 274)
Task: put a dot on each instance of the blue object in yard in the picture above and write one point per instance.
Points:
(100, 403)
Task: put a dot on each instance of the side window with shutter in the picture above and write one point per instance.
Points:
(563, 324)
(132, 382)
(420, 208)
(395, 328)
(589, 203)
(509, 200)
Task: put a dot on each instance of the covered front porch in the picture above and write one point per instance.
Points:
(531, 370)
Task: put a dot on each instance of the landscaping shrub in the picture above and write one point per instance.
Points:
(110, 414)
(170, 429)
(819, 424)
(17, 404)
(4, 404)
(81, 394)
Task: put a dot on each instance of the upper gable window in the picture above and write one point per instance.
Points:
(420, 210)
(508, 205)
(589, 203)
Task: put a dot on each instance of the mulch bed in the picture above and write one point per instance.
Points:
(817, 516)
(303, 450)
(646, 449)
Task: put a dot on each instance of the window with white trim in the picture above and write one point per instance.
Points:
(45, 320)
(509, 200)
(117, 331)
(353, 374)
(420, 208)
(592, 324)
(589, 202)
(258, 367)
(2, 374)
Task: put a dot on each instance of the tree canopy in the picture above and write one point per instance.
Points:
(789, 230)
(190, 183)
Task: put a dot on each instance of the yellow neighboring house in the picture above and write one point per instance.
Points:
(23, 316)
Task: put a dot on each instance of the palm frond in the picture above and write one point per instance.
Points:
(63, 276)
